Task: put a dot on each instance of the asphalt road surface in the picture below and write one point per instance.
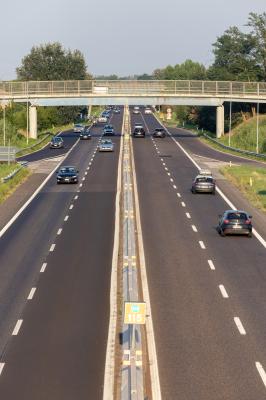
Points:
(54, 283)
(208, 293)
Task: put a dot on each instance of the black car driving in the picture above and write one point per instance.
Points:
(159, 133)
(235, 222)
(67, 174)
(56, 143)
(85, 134)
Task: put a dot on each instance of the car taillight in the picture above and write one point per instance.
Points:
(248, 221)
(226, 221)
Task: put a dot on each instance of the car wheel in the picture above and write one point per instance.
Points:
(222, 233)
(250, 234)
(193, 191)
(213, 192)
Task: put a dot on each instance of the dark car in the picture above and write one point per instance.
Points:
(159, 133)
(108, 130)
(139, 132)
(56, 143)
(67, 175)
(85, 135)
(116, 110)
(203, 184)
(235, 222)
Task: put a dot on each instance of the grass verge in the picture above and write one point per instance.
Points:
(7, 188)
(251, 181)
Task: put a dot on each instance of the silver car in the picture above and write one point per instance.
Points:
(106, 145)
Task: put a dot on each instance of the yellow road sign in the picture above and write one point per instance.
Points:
(135, 313)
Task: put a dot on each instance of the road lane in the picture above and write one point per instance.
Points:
(79, 263)
(201, 352)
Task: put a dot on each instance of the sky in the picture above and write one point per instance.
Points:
(123, 37)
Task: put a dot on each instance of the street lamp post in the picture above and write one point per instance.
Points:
(230, 123)
(257, 135)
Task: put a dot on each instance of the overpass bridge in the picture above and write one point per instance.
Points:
(131, 92)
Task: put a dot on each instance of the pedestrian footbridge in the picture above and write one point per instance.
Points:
(131, 92)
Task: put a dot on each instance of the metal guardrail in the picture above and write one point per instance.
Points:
(35, 144)
(36, 89)
(249, 153)
(131, 370)
(13, 173)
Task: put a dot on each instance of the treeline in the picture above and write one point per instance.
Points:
(46, 62)
(238, 56)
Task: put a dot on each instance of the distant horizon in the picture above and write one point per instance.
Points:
(122, 41)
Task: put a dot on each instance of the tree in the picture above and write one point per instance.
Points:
(257, 23)
(52, 62)
(234, 59)
(189, 70)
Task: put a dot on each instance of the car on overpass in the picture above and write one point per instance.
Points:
(56, 143)
(235, 222)
(147, 110)
(106, 145)
(116, 110)
(67, 174)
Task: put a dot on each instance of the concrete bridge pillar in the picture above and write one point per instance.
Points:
(219, 121)
(33, 122)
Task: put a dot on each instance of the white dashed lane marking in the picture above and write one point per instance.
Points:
(174, 186)
(83, 178)
(81, 184)
(66, 217)
(194, 228)
(202, 245)
(76, 197)
(31, 294)
(43, 267)
(261, 372)
(178, 195)
(211, 265)
(59, 231)
(240, 326)
(183, 204)
(223, 291)
(52, 247)
(71, 206)
(188, 215)
(1, 367)
(17, 327)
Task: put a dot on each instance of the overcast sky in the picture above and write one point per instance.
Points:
(120, 37)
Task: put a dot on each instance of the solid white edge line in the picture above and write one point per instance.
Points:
(261, 372)
(223, 291)
(17, 327)
(31, 294)
(108, 389)
(153, 363)
(1, 367)
(43, 267)
(211, 265)
(20, 211)
(240, 326)
(218, 190)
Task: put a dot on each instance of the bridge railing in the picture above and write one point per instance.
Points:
(130, 87)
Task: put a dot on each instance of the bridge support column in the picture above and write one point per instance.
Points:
(219, 121)
(33, 122)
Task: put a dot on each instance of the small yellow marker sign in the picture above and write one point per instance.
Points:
(135, 313)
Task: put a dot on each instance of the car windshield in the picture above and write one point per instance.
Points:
(237, 215)
(57, 139)
(159, 129)
(205, 179)
(67, 169)
(78, 126)
(107, 142)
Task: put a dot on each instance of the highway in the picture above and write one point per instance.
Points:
(54, 282)
(207, 292)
